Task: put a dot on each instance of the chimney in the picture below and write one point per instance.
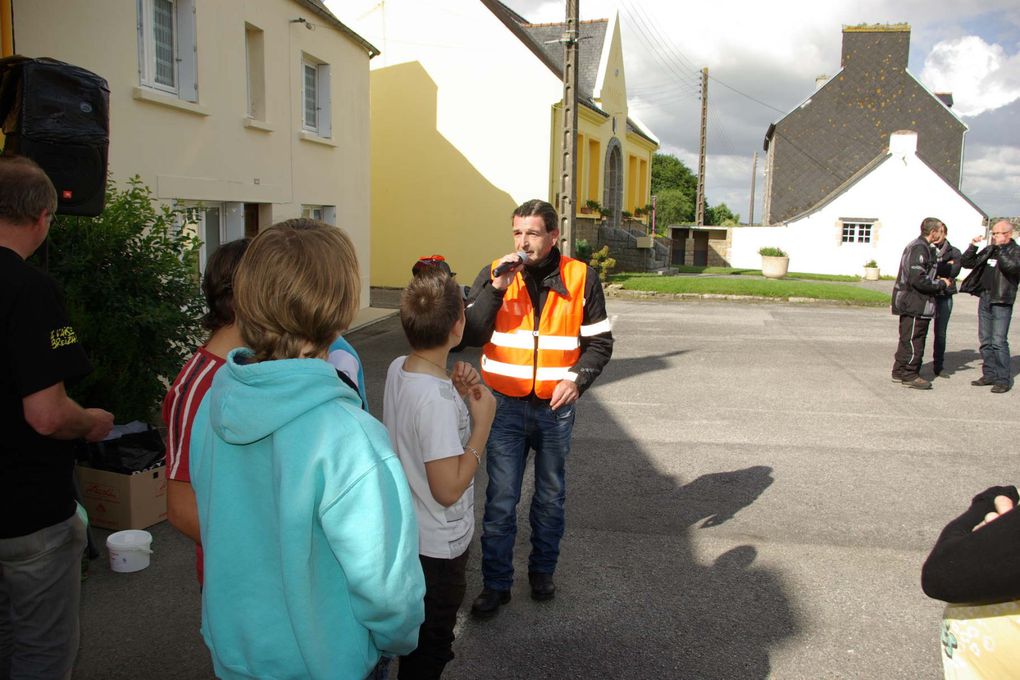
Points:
(882, 46)
(820, 80)
(903, 143)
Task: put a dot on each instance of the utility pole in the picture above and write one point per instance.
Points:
(754, 173)
(700, 207)
(568, 138)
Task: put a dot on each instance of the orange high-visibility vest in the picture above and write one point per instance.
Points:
(519, 358)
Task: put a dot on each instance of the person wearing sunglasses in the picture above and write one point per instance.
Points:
(994, 276)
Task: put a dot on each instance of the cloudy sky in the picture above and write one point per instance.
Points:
(763, 59)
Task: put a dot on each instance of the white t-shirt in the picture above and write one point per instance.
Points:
(427, 420)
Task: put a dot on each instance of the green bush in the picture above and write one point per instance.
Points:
(132, 294)
(602, 263)
(582, 250)
(771, 252)
(870, 264)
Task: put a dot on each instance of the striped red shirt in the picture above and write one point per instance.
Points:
(179, 407)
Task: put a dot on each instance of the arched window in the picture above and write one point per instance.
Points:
(612, 202)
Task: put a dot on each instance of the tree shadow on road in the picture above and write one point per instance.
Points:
(630, 367)
(639, 597)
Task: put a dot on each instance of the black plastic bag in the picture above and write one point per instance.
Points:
(129, 453)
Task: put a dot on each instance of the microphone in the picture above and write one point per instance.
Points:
(504, 267)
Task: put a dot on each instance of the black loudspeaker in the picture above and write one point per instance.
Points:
(59, 116)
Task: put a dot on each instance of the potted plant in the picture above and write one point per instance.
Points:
(591, 206)
(774, 262)
(871, 271)
(626, 214)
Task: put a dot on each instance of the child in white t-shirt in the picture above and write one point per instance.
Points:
(439, 440)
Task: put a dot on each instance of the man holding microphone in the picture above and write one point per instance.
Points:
(996, 270)
(541, 318)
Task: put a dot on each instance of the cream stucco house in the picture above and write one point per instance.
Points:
(252, 110)
(466, 101)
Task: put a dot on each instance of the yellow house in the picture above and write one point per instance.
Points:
(466, 101)
(253, 111)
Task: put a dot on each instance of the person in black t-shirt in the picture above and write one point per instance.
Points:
(41, 536)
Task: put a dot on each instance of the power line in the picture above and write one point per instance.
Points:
(744, 94)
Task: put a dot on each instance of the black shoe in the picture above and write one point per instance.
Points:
(917, 383)
(542, 586)
(1000, 388)
(488, 602)
(981, 382)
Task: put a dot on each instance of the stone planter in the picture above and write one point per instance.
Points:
(871, 273)
(774, 267)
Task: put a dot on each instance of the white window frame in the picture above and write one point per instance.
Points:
(254, 66)
(194, 222)
(322, 126)
(861, 231)
(185, 78)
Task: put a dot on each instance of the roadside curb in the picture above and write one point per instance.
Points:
(613, 291)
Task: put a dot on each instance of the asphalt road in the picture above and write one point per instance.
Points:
(749, 496)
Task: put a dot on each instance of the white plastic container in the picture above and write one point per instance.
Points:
(129, 550)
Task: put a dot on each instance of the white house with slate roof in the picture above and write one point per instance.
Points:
(466, 96)
(871, 216)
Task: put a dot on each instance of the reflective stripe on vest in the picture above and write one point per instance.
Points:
(519, 359)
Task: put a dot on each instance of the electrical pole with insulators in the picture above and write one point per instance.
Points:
(754, 173)
(700, 207)
(568, 138)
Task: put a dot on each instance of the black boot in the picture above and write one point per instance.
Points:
(488, 602)
(542, 586)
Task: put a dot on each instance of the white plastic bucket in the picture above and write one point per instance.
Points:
(129, 550)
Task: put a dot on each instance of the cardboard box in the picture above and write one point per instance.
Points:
(117, 501)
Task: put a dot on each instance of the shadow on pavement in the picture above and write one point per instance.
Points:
(636, 598)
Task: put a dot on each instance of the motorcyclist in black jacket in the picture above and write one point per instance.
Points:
(996, 271)
(913, 300)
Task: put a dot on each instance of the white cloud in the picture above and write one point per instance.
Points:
(991, 177)
(981, 76)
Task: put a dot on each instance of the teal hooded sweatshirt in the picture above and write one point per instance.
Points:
(309, 532)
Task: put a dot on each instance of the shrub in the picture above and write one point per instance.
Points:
(602, 263)
(771, 252)
(871, 264)
(132, 294)
(582, 250)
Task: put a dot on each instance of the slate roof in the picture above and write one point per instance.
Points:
(544, 41)
(591, 37)
(320, 9)
(843, 126)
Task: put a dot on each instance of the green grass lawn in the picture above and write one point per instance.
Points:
(781, 288)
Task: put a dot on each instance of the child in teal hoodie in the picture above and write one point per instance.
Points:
(311, 544)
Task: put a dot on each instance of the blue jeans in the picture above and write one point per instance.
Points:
(993, 329)
(943, 310)
(519, 426)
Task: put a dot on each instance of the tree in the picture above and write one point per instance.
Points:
(131, 292)
(676, 190)
(673, 206)
(721, 215)
(669, 172)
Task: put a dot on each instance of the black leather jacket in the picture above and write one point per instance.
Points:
(916, 284)
(998, 281)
